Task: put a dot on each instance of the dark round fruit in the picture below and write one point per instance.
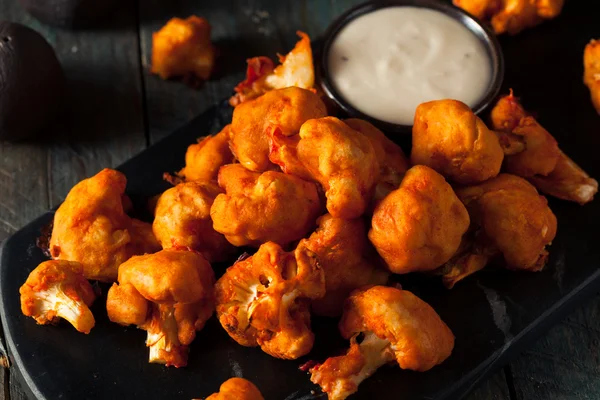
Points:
(69, 13)
(31, 82)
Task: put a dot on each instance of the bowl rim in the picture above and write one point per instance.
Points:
(482, 31)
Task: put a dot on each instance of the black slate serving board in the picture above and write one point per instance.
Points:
(494, 314)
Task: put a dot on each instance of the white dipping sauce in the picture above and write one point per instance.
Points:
(385, 63)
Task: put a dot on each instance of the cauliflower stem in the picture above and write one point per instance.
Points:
(340, 376)
(163, 338)
(60, 301)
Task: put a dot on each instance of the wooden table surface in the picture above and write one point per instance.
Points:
(115, 109)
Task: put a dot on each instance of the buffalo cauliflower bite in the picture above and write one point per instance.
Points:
(182, 219)
(286, 109)
(512, 16)
(203, 159)
(346, 256)
(451, 139)
(591, 75)
(329, 152)
(57, 289)
(392, 161)
(263, 300)
(183, 47)
(296, 69)
(395, 326)
(237, 389)
(418, 226)
(511, 219)
(92, 228)
(533, 153)
(169, 294)
(258, 208)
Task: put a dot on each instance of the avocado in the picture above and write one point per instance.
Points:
(69, 13)
(31, 82)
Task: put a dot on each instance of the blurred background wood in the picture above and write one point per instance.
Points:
(115, 108)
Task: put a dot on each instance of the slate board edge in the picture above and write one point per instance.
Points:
(513, 348)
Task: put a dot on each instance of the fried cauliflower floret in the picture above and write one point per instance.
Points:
(418, 226)
(533, 153)
(92, 228)
(183, 47)
(540, 150)
(203, 159)
(182, 219)
(57, 289)
(512, 220)
(347, 259)
(286, 109)
(512, 16)
(264, 299)
(396, 327)
(170, 295)
(296, 69)
(451, 139)
(329, 152)
(392, 161)
(257, 208)
(237, 389)
(567, 181)
(591, 74)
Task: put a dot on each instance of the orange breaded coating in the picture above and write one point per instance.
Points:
(170, 295)
(257, 208)
(57, 289)
(451, 139)
(286, 109)
(182, 219)
(591, 72)
(515, 217)
(396, 326)
(346, 256)
(511, 219)
(418, 226)
(203, 159)
(331, 153)
(296, 69)
(392, 161)
(540, 150)
(237, 389)
(264, 300)
(182, 47)
(512, 16)
(533, 153)
(92, 228)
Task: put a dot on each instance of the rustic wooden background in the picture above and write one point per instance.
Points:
(115, 109)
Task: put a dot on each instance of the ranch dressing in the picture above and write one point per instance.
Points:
(385, 63)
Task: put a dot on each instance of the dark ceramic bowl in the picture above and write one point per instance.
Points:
(482, 32)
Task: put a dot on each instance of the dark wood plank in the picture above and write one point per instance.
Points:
(104, 125)
(565, 363)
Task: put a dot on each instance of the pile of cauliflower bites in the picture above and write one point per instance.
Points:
(332, 208)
